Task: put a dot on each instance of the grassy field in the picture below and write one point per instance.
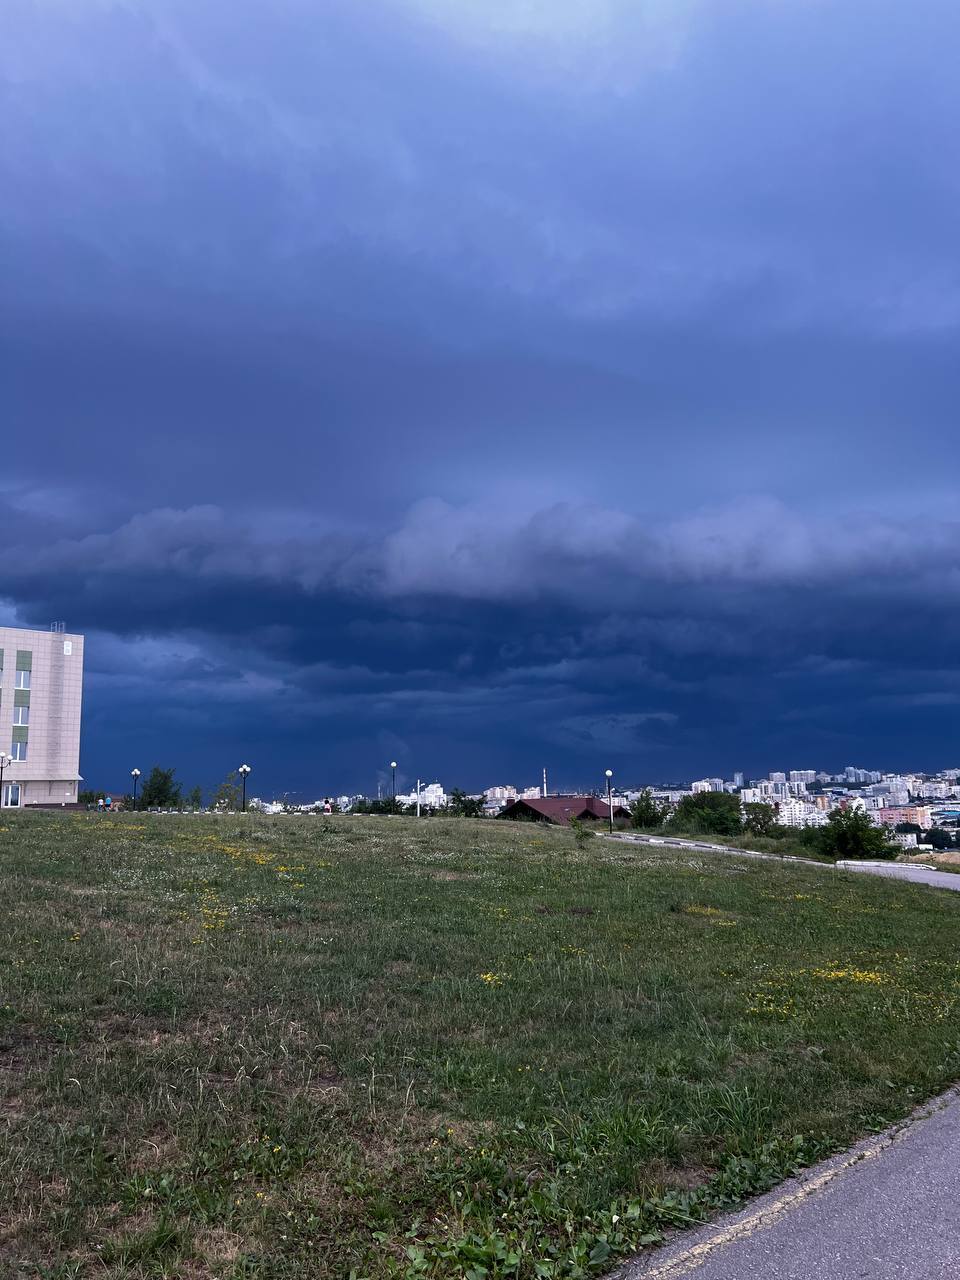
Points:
(248, 1047)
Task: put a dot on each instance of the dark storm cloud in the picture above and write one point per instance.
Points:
(475, 382)
(578, 628)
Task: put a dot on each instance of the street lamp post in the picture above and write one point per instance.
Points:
(4, 761)
(243, 771)
(609, 775)
(393, 770)
(135, 775)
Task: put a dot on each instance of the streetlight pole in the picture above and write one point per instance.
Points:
(243, 771)
(135, 775)
(609, 775)
(393, 770)
(4, 761)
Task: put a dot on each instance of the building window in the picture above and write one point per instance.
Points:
(18, 749)
(11, 795)
(21, 715)
(23, 680)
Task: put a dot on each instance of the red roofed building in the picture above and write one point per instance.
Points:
(560, 809)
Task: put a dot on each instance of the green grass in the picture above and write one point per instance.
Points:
(789, 845)
(277, 1048)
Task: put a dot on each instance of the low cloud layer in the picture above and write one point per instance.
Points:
(567, 552)
(494, 639)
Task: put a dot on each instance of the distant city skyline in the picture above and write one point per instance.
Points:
(940, 783)
(914, 808)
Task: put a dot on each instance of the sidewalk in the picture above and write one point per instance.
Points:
(885, 1210)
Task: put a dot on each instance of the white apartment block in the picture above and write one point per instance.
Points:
(41, 691)
(766, 792)
(432, 796)
(797, 813)
(501, 795)
(936, 790)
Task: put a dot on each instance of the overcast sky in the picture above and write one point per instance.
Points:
(486, 385)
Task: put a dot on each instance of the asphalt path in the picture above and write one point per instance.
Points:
(915, 873)
(885, 1210)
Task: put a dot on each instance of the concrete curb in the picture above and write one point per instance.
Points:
(684, 1251)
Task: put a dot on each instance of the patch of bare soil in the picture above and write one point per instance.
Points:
(576, 912)
(683, 1178)
(943, 858)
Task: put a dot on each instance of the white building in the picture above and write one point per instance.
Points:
(798, 813)
(501, 795)
(432, 796)
(873, 804)
(906, 839)
(41, 692)
(935, 790)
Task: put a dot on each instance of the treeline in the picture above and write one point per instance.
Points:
(459, 804)
(848, 833)
(161, 790)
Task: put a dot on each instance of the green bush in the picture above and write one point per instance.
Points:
(850, 834)
(708, 813)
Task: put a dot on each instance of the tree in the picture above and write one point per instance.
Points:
(389, 804)
(849, 833)
(227, 795)
(195, 798)
(708, 813)
(645, 812)
(759, 819)
(465, 806)
(581, 832)
(940, 838)
(159, 791)
(908, 828)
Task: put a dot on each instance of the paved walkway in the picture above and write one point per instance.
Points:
(914, 872)
(886, 1210)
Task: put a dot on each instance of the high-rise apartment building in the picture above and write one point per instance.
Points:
(41, 689)
(806, 776)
